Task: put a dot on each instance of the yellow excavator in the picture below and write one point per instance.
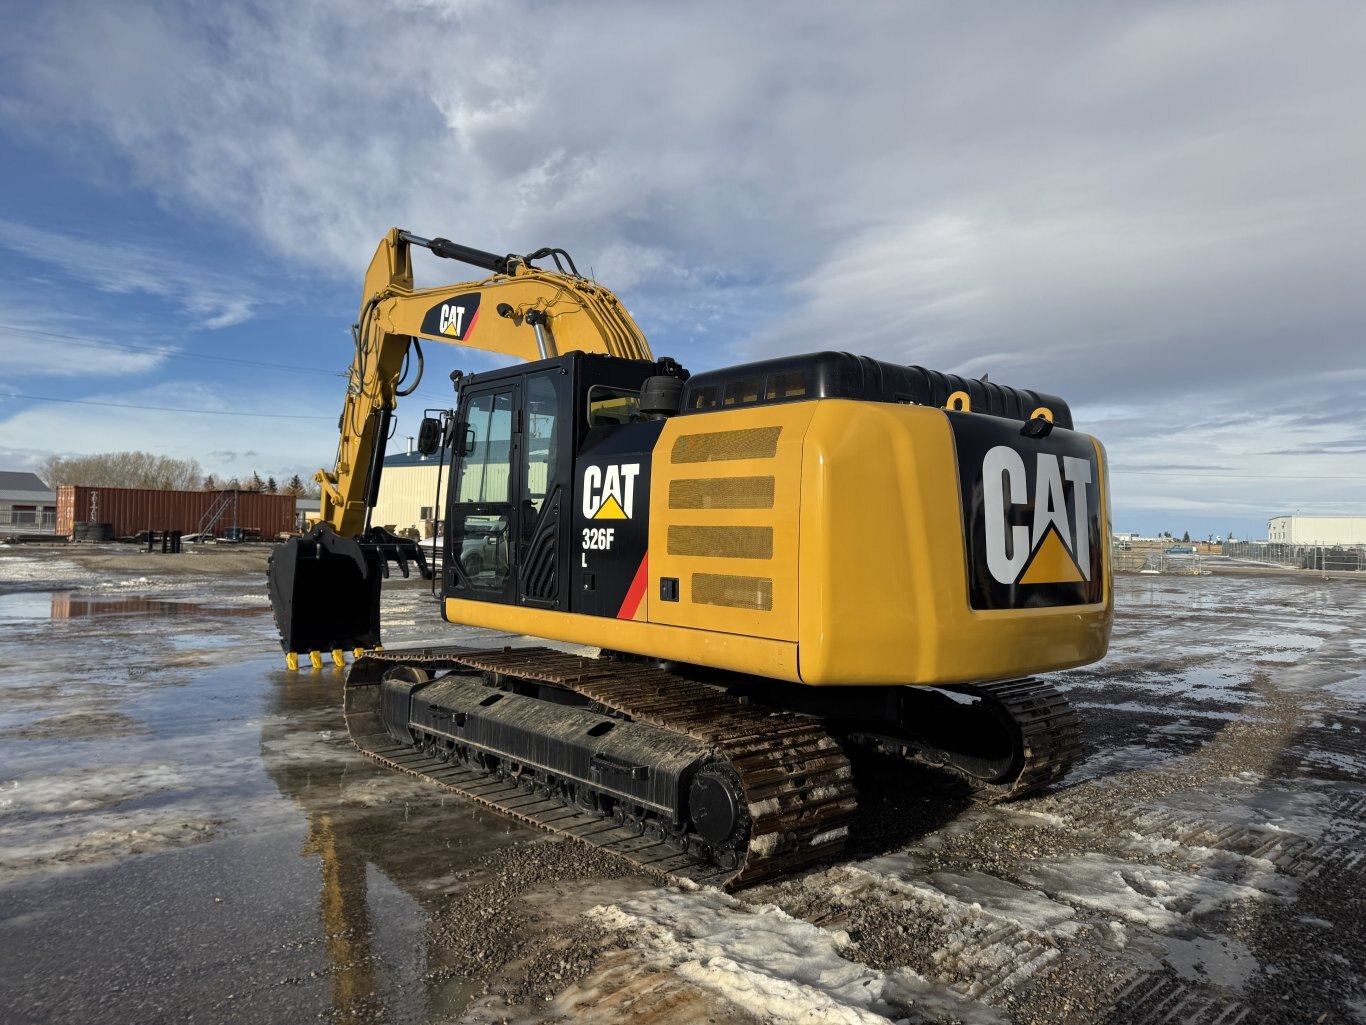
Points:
(774, 561)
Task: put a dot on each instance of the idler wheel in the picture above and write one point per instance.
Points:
(716, 806)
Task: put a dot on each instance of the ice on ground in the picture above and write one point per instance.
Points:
(1353, 688)
(87, 840)
(1220, 960)
(80, 790)
(971, 894)
(1147, 895)
(1182, 711)
(1333, 761)
(1305, 814)
(773, 966)
(1132, 758)
(25, 573)
(82, 725)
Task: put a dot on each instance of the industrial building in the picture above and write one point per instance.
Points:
(408, 500)
(1317, 530)
(27, 505)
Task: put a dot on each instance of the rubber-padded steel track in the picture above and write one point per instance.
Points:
(795, 777)
(1049, 736)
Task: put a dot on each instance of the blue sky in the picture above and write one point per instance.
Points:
(1153, 210)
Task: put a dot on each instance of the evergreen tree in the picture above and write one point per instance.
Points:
(210, 483)
(257, 484)
(271, 487)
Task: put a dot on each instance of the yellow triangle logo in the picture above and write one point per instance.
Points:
(451, 330)
(1052, 563)
(610, 510)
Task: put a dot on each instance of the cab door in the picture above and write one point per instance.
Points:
(483, 530)
(544, 494)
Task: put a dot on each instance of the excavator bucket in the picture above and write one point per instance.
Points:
(325, 588)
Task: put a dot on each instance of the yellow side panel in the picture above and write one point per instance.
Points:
(820, 542)
(883, 594)
(725, 490)
(775, 659)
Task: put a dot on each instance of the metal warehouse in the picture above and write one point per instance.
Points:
(1317, 530)
(407, 493)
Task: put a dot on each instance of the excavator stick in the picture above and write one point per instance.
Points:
(325, 588)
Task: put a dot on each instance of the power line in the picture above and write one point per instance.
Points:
(170, 409)
(1231, 476)
(164, 351)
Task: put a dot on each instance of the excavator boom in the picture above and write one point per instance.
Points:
(521, 311)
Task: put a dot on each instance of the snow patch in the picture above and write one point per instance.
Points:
(773, 966)
(971, 894)
(1147, 895)
(79, 791)
(86, 840)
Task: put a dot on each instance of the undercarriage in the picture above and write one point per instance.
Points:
(721, 784)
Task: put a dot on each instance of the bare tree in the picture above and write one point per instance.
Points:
(123, 470)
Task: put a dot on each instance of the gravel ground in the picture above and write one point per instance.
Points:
(186, 833)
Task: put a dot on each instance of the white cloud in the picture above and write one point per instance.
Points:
(39, 351)
(1154, 206)
(213, 299)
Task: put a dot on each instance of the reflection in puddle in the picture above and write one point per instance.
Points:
(64, 606)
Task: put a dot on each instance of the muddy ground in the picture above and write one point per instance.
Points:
(187, 835)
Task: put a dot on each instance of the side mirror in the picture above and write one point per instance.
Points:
(429, 436)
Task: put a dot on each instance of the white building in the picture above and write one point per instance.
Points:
(407, 493)
(27, 505)
(1317, 530)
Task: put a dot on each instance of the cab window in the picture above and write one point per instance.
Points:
(608, 406)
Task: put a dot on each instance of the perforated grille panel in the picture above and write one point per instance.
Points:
(718, 446)
(733, 592)
(721, 493)
(722, 542)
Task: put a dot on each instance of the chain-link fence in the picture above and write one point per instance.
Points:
(1321, 557)
(16, 521)
(1147, 561)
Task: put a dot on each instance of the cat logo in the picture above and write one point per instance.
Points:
(609, 491)
(1055, 548)
(454, 318)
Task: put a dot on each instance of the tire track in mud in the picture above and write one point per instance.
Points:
(1272, 825)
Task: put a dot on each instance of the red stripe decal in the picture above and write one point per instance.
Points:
(636, 591)
(473, 320)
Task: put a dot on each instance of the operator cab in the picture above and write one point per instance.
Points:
(522, 439)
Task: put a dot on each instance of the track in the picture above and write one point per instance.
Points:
(1049, 730)
(795, 778)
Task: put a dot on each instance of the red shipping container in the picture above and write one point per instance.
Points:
(131, 510)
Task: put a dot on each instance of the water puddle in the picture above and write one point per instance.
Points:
(66, 605)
